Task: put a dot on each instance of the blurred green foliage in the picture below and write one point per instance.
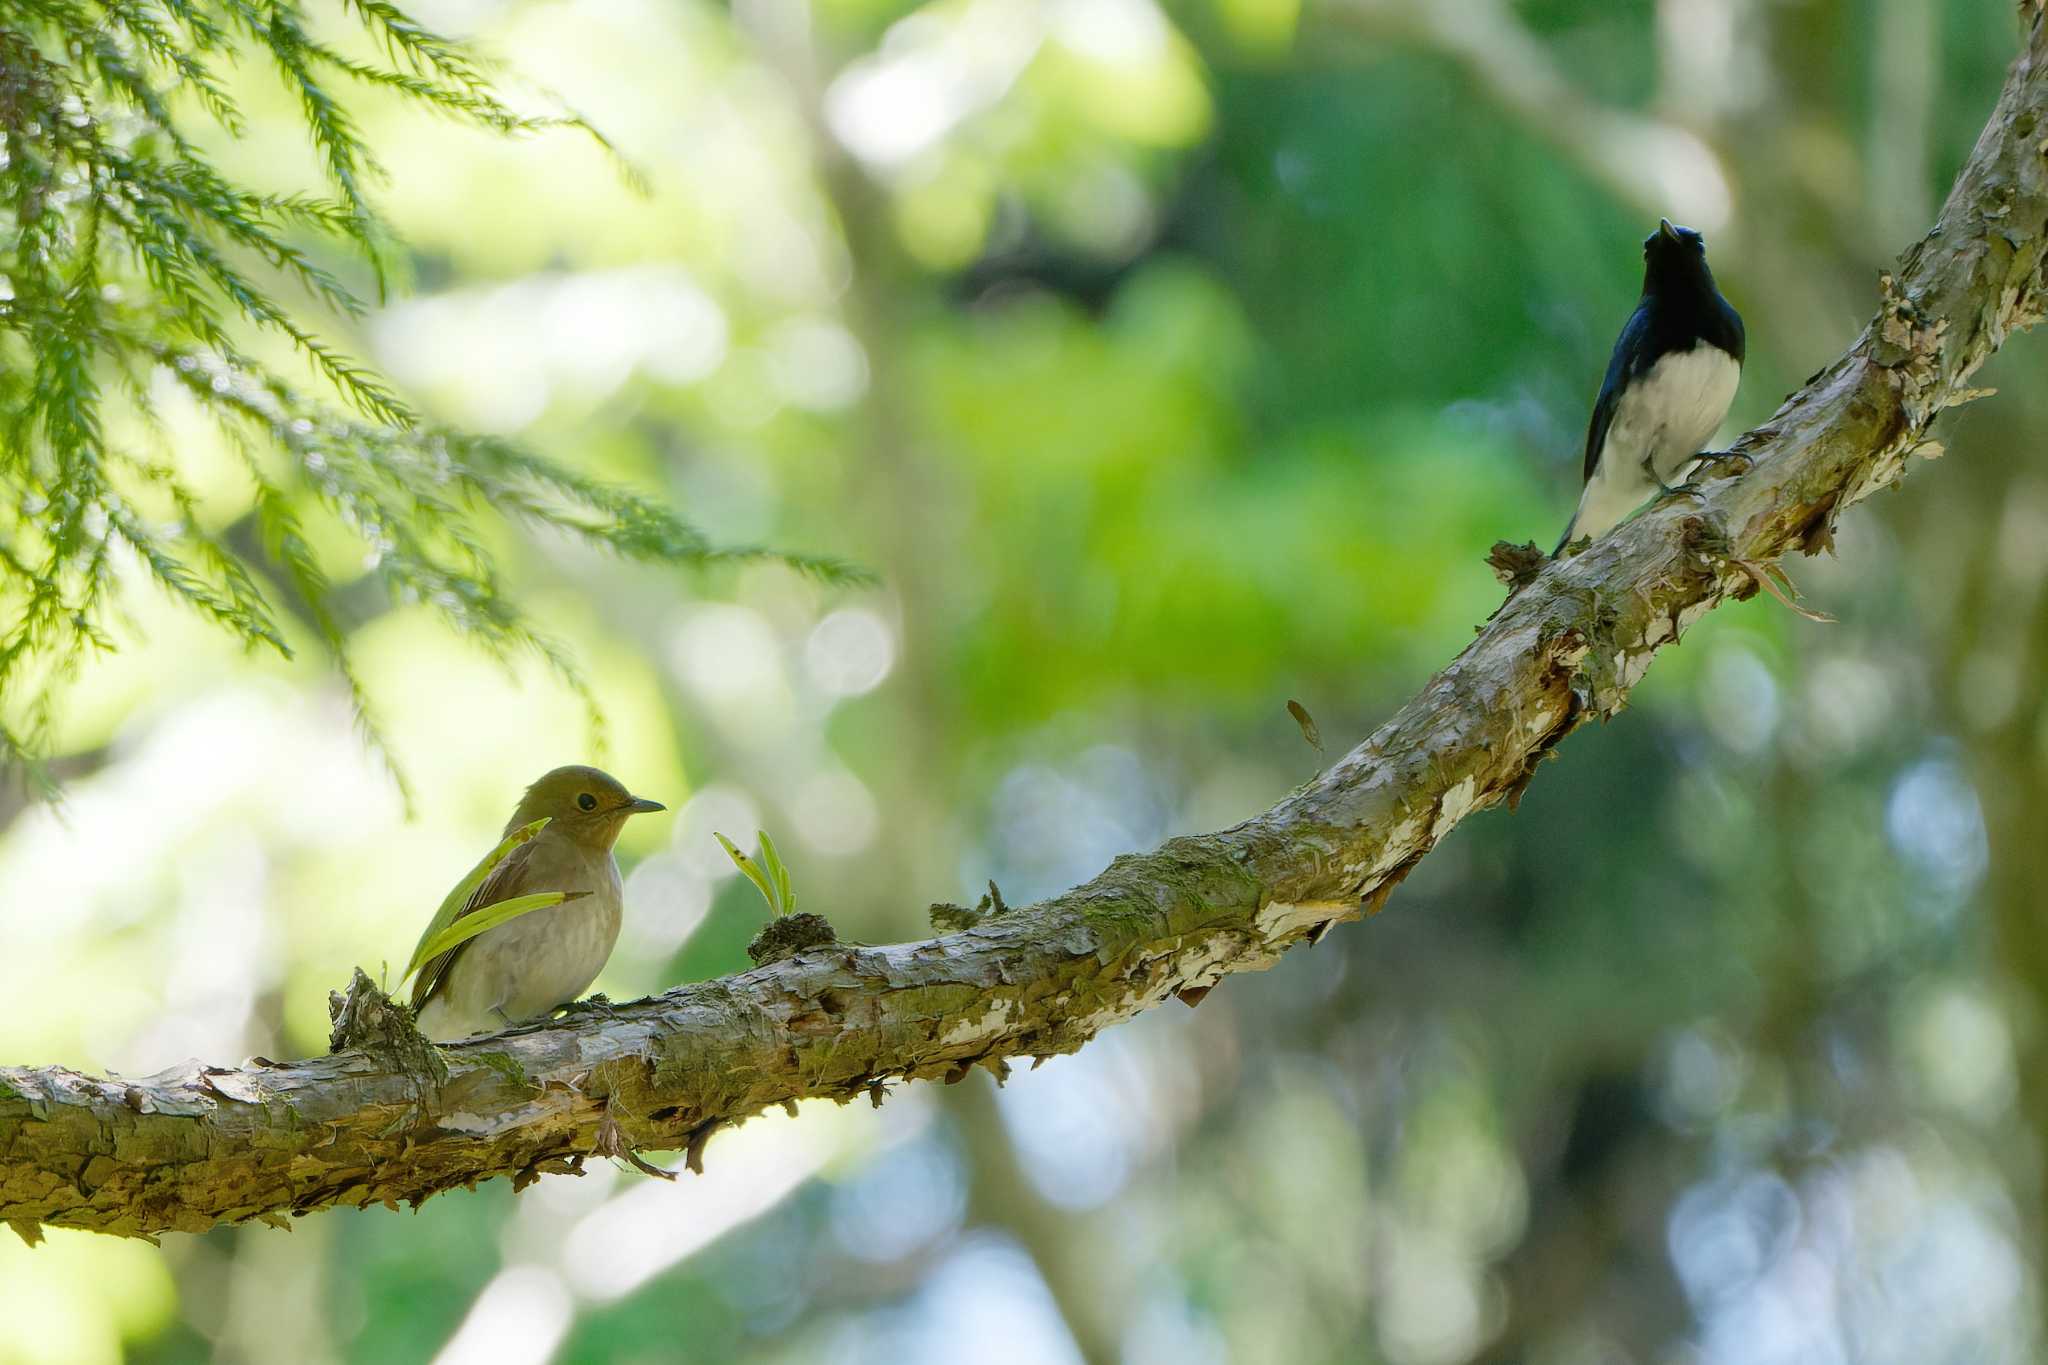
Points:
(1167, 361)
(136, 270)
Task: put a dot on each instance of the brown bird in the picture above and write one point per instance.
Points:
(531, 965)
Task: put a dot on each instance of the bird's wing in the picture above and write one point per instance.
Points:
(1621, 367)
(507, 879)
(1733, 339)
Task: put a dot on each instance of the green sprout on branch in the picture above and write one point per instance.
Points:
(769, 874)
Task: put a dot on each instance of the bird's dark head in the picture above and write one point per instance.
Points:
(581, 802)
(1673, 255)
(1669, 238)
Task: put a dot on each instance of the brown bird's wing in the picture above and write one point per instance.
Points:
(507, 879)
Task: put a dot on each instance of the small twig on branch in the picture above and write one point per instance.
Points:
(612, 1142)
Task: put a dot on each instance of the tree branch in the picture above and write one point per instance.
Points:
(381, 1123)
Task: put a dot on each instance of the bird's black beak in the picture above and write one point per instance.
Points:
(1666, 231)
(640, 805)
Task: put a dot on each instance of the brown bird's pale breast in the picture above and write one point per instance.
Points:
(527, 966)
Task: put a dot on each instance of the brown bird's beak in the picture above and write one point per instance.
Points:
(640, 805)
(1666, 231)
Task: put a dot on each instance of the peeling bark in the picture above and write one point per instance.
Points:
(198, 1146)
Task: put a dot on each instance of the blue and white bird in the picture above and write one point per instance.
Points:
(1669, 384)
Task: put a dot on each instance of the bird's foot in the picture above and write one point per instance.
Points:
(1719, 464)
(1664, 490)
(599, 1004)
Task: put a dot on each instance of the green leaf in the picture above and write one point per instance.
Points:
(128, 256)
(490, 917)
(785, 897)
(750, 869)
(451, 905)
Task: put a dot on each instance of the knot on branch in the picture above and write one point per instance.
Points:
(1516, 566)
(1908, 348)
(787, 935)
(946, 917)
(367, 1020)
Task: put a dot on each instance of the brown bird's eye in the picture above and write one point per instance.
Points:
(587, 801)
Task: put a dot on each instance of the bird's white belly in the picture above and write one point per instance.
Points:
(527, 966)
(1662, 422)
(546, 958)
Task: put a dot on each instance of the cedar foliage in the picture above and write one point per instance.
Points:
(129, 263)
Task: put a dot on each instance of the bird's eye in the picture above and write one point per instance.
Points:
(587, 801)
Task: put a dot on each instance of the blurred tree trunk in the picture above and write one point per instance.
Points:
(1993, 688)
(2007, 767)
(899, 480)
(905, 492)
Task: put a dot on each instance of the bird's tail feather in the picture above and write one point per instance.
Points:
(1570, 531)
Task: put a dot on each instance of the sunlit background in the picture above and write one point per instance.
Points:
(1167, 362)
